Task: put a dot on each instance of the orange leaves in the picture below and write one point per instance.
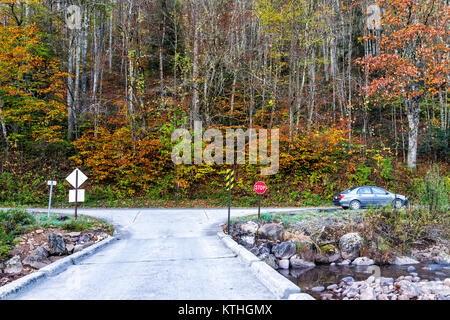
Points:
(118, 157)
(31, 86)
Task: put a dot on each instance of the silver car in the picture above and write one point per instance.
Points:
(363, 197)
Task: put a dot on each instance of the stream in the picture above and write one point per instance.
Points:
(325, 275)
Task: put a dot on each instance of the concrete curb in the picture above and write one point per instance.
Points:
(281, 287)
(51, 270)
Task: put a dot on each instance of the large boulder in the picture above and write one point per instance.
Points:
(250, 227)
(403, 260)
(37, 259)
(13, 265)
(248, 241)
(328, 254)
(285, 250)
(329, 234)
(297, 262)
(350, 244)
(271, 231)
(56, 244)
(270, 259)
(363, 261)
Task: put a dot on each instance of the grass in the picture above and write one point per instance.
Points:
(290, 218)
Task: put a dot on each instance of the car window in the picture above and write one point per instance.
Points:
(347, 191)
(378, 190)
(364, 190)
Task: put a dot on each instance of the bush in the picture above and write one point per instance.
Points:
(434, 191)
(12, 223)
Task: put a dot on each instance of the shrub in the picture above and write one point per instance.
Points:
(434, 192)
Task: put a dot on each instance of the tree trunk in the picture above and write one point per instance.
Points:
(413, 115)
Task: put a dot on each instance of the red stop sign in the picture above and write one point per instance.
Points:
(260, 187)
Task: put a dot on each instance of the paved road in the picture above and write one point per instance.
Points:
(162, 254)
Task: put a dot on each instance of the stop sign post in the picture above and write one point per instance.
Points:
(260, 188)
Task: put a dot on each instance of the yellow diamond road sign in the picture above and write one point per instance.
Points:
(230, 179)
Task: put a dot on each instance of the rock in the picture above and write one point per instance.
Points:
(250, 227)
(318, 289)
(447, 282)
(56, 244)
(297, 262)
(39, 231)
(270, 259)
(300, 296)
(350, 244)
(363, 261)
(402, 260)
(348, 280)
(248, 241)
(41, 251)
(74, 234)
(408, 289)
(271, 231)
(345, 262)
(381, 296)
(326, 296)
(264, 250)
(62, 218)
(37, 259)
(332, 287)
(368, 294)
(84, 238)
(442, 258)
(80, 247)
(70, 247)
(283, 264)
(327, 235)
(411, 269)
(284, 250)
(13, 265)
(352, 293)
(386, 281)
(328, 254)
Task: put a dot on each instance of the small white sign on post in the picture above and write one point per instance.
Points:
(80, 197)
(51, 184)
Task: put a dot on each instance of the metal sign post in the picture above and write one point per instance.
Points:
(51, 184)
(76, 194)
(260, 188)
(177, 188)
(229, 185)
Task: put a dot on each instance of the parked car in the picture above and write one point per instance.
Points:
(363, 197)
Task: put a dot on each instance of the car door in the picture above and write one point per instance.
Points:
(381, 197)
(365, 196)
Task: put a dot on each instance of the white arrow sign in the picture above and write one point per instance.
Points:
(73, 177)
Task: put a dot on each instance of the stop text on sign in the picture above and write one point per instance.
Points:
(260, 187)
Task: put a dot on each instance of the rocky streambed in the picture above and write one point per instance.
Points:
(329, 258)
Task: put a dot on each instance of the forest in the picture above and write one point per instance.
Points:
(358, 90)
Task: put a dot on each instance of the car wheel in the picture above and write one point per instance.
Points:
(398, 203)
(355, 205)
